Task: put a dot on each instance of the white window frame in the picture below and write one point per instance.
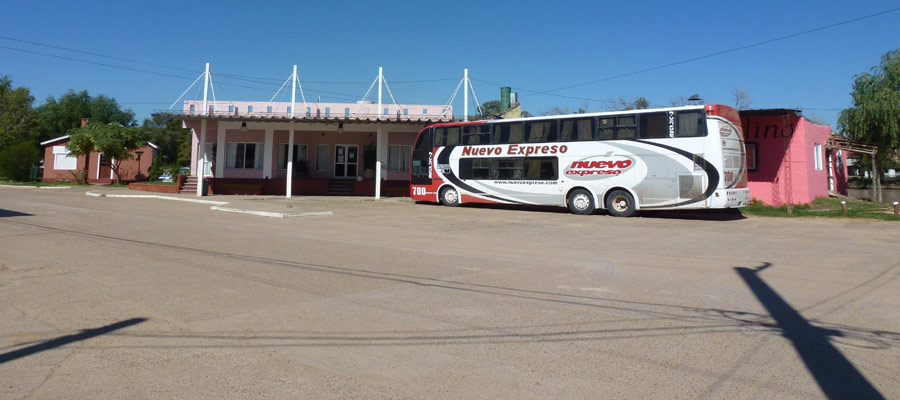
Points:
(301, 154)
(259, 155)
(62, 157)
(404, 161)
(817, 156)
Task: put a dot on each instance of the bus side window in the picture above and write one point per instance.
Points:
(690, 124)
(606, 128)
(440, 137)
(654, 125)
(472, 135)
(577, 130)
(540, 131)
(501, 134)
(453, 132)
(625, 128)
(453, 137)
(516, 133)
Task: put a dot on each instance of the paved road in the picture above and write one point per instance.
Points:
(139, 298)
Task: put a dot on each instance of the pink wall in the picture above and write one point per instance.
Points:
(786, 168)
(129, 169)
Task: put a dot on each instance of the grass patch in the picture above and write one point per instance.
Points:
(826, 207)
(38, 184)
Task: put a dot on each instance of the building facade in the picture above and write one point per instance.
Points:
(60, 166)
(788, 159)
(244, 147)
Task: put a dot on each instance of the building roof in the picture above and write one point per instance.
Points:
(61, 138)
(282, 117)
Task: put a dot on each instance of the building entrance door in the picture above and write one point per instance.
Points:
(105, 168)
(345, 161)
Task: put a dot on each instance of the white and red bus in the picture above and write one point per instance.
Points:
(690, 157)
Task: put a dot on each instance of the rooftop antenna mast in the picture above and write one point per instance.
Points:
(466, 83)
(379, 80)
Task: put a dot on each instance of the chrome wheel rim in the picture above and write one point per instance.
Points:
(620, 203)
(450, 196)
(581, 201)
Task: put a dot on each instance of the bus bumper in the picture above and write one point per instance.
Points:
(730, 198)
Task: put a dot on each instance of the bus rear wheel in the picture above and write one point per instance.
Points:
(620, 203)
(581, 202)
(449, 196)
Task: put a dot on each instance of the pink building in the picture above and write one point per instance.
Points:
(59, 165)
(246, 145)
(788, 158)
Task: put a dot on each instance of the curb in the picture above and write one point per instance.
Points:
(269, 213)
(35, 187)
(153, 196)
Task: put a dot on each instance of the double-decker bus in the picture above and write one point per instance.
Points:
(690, 157)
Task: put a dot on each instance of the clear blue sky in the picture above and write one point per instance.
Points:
(531, 45)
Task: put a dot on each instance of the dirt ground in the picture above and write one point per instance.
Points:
(145, 298)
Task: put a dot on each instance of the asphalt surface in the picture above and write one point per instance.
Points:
(145, 298)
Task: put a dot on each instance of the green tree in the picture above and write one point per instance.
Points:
(168, 135)
(874, 118)
(113, 140)
(17, 159)
(18, 121)
(489, 109)
(59, 117)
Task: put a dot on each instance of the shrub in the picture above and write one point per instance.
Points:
(17, 159)
(156, 169)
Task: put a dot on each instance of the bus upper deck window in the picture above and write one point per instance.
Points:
(691, 124)
(654, 125)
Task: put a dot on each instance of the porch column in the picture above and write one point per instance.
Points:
(201, 157)
(267, 153)
(220, 151)
(290, 161)
(381, 150)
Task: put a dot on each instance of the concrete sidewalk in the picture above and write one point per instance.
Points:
(269, 206)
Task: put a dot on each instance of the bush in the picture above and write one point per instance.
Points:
(17, 159)
(156, 169)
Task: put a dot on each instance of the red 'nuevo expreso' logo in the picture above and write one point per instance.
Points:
(599, 167)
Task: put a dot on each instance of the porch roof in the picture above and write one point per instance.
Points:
(282, 117)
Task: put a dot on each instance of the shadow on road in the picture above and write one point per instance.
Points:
(730, 214)
(64, 340)
(11, 213)
(834, 373)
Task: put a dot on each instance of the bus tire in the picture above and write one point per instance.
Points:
(581, 202)
(620, 203)
(449, 196)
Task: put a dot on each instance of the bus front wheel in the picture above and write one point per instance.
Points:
(581, 202)
(620, 203)
(449, 196)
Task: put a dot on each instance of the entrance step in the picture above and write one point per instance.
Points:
(340, 187)
(189, 185)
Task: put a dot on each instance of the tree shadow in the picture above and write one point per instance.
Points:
(834, 373)
(64, 340)
(11, 213)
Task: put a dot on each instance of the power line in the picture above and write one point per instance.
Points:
(94, 54)
(718, 53)
(95, 62)
(235, 76)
